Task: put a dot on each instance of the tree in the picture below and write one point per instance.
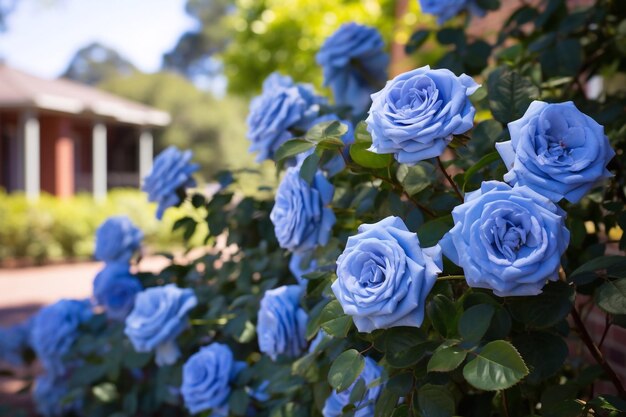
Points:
(95, 63)
(193, 55)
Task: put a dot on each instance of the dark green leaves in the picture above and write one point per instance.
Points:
(446, 358)
(430, 233)
(415, 178)
(509, 94)
(345, 369)
(334, 321)
(497, 366)
(475, 321)
(417, 39)
(546, 309)
(435, 401)
(611, 296)
(292, 148)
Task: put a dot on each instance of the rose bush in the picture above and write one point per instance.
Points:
(331, 288)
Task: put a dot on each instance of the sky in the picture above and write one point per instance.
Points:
(43, 35)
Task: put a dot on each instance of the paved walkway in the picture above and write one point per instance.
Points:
(24, 290)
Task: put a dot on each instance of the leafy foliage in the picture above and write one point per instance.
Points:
(474, 354)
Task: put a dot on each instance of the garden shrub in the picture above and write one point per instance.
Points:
(417, 263)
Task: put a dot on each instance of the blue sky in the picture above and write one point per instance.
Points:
(42, 35)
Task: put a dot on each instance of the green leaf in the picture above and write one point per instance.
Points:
(564, 58)
(358, 391)
(484, 161)
(446, 358)
(238, 402)
(435, 401)
(105, 392)
(509, 94)
(326, 130)
(367, 159)
(544, 353)
(345, 369)
(609, 403)
(292, 148)
(597, 267)
(475, 321)
(611, 296)
(443, 315)
(334, 321)
(497, 366)
(386, 403)
(416, 40)
(404, 346)
(430, 233)
(309, 167)
(361, 134)
(543, 310)
(415, 178)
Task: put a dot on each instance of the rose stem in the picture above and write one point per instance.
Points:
(595, 352)
(450, 180)
(450, 277)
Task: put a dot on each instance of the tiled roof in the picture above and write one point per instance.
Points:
(21, 90)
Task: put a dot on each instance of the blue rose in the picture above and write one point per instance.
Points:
(354, 65)
(50, 394)
(282, 106)
(282, 322)
(206, 379)
(447, 9)
(54, 330)
(415, 116)
(384, 276)
(301, 216)
(557, 151)
(117, 239)
(115, 289)
(365, 407)
(158, 317)
(509, 240)
(170, 174)
(14, 341)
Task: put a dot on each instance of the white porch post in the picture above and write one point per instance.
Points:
(146, 154)
(99, 158)
(30, 130)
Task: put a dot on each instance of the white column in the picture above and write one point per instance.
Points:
(146, 154)
(30, 129)
(99, 158)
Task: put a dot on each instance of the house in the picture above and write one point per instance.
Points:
(62, 137)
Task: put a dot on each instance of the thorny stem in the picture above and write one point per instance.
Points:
(595, 352)
(450, 180)
(450, 277)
